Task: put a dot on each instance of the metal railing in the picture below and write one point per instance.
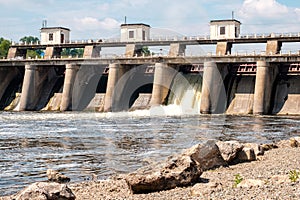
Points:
(173, 38)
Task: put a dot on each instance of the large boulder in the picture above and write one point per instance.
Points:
(207, 155)
(45, 191)
(183, 170)
(229, 149)
(176, 172)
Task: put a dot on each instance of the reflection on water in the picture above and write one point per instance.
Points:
(80, 144)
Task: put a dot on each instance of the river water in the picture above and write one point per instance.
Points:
(86, 143)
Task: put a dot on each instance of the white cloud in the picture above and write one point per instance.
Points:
(91, 23)
(263, 8)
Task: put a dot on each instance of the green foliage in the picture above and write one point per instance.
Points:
(29, 39)
(73, 52)
(33, 40)
(294, 175)
(145, 50)
(4, 47)
(237, 180)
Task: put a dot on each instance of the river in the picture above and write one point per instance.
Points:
(81, 144)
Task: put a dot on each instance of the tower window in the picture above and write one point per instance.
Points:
(50, 36)
(222, 30)
(131, 34)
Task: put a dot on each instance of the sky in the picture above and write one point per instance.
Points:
(93, 19)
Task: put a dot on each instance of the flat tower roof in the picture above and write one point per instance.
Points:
(225, 20)
(49, 28)
(137, 24)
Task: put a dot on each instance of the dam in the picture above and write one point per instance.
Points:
(261, 83)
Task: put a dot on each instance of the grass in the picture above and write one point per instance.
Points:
(294, 175)
(237, 180)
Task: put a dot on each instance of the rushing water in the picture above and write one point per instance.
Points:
(82, 144)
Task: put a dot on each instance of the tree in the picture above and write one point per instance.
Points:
(146, 51)
(72, 52)
(31, 40)
(4, 47)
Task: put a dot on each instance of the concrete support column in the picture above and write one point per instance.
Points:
(263, 88)
(29, 88)
(52, 52)
(115, 73)
(273, 47)
(177, 49)
(163, 77)
(132, 50)
(15, 52)
(213, 95)
(70, 75)
(223, 48)
(91, 51)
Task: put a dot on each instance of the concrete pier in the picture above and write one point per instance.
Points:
(52, 52)
(91, 51)
(177, 49)
(223, 48)
(265, 75)
(28, 88)
(213, 95)
(133, 50)
(116, 71)
(14, 52)
(273, 47)
(163, 77)
(70, 75)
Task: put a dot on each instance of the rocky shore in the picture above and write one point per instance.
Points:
(224, 170)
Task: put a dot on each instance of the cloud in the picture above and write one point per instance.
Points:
(263, 8)
(91, 23)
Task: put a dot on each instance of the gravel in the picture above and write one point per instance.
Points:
(272, 169)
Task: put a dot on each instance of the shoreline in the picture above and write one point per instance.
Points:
(265, 178)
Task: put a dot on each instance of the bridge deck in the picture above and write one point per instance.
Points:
(166, 42)
(289, 58)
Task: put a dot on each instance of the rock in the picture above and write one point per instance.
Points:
(267, 147)
(207, 155)
(295, 142)
(229, 149)
(258, 149)
(55, 176)
(248, 183)
(176, 172)
(246, 155)
(45, 191)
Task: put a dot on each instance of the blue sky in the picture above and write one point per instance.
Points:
(91, 19)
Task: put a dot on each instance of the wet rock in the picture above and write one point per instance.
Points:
(55, 176)
(45, 191)
(229, 149)
(176, 172)
(249, 183)
(207, 155)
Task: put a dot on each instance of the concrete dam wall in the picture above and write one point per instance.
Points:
(209, 87)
